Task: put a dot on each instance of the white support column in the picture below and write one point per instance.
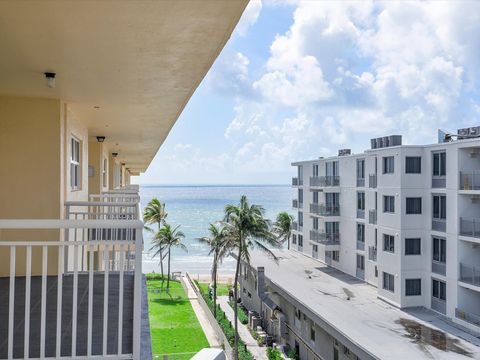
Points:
(137, 295)
(11, 301)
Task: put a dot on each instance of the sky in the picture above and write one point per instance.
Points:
(302, 79)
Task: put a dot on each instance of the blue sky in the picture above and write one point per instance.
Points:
(298, 80)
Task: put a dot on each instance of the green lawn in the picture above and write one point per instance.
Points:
(222, 289)
(173, 325)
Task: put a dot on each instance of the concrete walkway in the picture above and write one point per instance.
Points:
(208, 330)
(258, 352)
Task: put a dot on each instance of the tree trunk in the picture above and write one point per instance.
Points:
(168, 270)
(214, 273)
(235, 305)
(161, 256)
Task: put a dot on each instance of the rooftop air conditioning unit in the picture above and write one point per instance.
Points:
(344, 152)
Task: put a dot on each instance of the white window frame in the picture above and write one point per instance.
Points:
(75, 163)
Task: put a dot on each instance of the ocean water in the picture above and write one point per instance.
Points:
(194, 208)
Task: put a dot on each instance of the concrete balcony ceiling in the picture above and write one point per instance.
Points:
(126, 68)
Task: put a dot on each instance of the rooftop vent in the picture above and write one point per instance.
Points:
(344, 152)
(468, 133)
(386, 141)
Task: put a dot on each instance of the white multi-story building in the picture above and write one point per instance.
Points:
(404, 218)
(384, 259)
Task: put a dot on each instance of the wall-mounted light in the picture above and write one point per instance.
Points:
(114, 154)
(100, 138)
(50, 76)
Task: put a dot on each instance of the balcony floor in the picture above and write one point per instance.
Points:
(82, 315)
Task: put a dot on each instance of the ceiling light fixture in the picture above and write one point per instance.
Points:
(100, 139)
(114, 154)
(50, 76)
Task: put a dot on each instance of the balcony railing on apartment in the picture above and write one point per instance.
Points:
(439, 305)
(439, 267)
(469, 180)
(372, 181)
(296, 226)
(297, 182)
(325, 210)
(467, 316)
(360, 213)
(360, 273)
(439, 225)
(325, 238)
(470, 227)
(372, 253)
(360, 182)
(361, 245)
(439, 182)
(470, 274)
(323, 181)
(123, 197)
(56, 305)
(296, 204)
(372, 216)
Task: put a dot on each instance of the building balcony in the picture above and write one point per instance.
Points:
(360, 273)
(470, 227)
(439, 182)
(297, 227)
(473, 319)
(324, 181)
(372, 216)
(470, 274)
(297, 182)
(439, 267)
(53, 290)
(324, 238)
(439, 225)
(360, 213)
(439, 305)
(469, 180)
(372, 181)
(361, 245)
(360, 182)
(372, 253)
(325, 210)
(296, 204)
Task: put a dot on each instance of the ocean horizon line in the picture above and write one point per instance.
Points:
(211, 185)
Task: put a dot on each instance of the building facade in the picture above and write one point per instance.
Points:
(88, 93)
(403, 218)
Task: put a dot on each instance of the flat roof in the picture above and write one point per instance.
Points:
(464, 142)
(380, 329)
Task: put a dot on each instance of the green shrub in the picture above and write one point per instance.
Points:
(273, 354)
(228, 330)
(242, 314)
(292, 354)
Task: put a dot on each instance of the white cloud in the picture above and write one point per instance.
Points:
(342, 73)
(249, 17)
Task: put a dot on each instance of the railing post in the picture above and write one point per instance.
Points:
(137, 295)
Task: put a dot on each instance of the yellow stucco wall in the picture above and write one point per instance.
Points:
(35, 171)
(97, 153)
(30, 172)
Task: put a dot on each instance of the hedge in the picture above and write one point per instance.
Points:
(227, 328)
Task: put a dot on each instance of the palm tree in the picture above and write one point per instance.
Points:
(166, 238)
(247, 228)
(283, 227)
(154, 213)
(219, 244)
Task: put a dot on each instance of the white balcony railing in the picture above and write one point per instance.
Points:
(56, 303)
(116, 197)
(101, 210)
